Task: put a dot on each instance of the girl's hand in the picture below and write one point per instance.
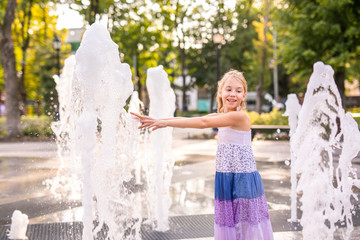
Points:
(149, 122)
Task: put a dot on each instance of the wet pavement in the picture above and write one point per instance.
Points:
(25, 167)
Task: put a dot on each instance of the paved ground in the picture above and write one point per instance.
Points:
(24, 167)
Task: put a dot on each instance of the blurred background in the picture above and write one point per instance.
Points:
(274, 43)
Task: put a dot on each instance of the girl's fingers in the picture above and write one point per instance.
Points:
(136, 115)
(147, 121)
(140, 117)
(144, 126)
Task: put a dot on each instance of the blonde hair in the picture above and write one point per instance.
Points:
(234, 74)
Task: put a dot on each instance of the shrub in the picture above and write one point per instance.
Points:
(357, 119)
(36, 126)
(31, 126)
(2, 126)
(272, 118)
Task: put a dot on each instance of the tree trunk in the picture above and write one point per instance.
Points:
(259, 92)
(11, 81)
(22, 91)
(212, 94)
(25, 44)
(184, 102)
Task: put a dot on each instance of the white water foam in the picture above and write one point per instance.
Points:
(293, 108)
(101, 86)
(103, 153)
(19, 223)
(324, 131)
(160, 161)
(68, 182)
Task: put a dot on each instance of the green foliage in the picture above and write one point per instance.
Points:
(272, 118)
(2, 11)
(357, 111)
(2, 126)
(324, 30)
(357, 119)
(36, 126)
(31, 126)
(31, 110)
(143, 34)
(237, 50)
(39, 57)
(354, 110)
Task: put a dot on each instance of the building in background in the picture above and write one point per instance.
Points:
(191, 93)
(74, 38)
(352, 93)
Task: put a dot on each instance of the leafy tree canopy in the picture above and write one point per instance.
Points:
(321, 30)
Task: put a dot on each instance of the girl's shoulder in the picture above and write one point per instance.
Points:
(242, 121)
(240, 114)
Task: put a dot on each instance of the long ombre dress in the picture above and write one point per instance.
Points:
(241, 210)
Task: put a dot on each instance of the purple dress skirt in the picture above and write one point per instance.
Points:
(241, 211)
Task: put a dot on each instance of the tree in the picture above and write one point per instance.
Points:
(238, 51)
(92, 10)
(9, 67)
(264, 53)
(39, 83)
(138, 30)
(322, 30)
(22, 37)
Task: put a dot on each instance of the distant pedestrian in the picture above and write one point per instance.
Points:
(241, 211)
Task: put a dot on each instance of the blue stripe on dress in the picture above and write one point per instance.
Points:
(243, 185)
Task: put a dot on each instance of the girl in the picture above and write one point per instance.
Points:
(241, 210)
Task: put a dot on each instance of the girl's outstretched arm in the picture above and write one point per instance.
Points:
(236, 120)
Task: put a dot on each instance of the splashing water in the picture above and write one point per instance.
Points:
(67, 183)
(135, 106)
(293, 108)
(19, 223)
(160, 161)
(120, 171)
(101, 86)
(323, 129)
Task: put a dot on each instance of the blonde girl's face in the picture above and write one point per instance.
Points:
(232, 94)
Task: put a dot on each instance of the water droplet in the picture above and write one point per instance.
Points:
(287, 162)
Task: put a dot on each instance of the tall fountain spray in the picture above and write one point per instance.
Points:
(67, 183)
(101, 86)
(293, 108)
(135, 106)
(160, 161)
(120, 171)
(324, 130)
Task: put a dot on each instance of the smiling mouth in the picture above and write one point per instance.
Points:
(230, 100)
